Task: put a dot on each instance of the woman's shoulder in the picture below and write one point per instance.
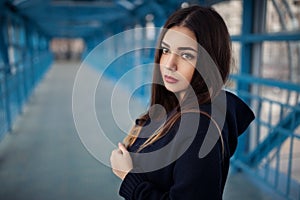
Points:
(229, 108)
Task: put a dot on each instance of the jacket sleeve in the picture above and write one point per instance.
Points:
(193, 177)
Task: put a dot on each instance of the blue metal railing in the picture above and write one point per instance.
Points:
(271, 151)
(24, 59)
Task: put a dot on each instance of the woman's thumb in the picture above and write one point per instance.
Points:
(122, 147)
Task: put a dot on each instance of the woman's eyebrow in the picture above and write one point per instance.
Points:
(187, 48)
(165, 44)
(179, 48)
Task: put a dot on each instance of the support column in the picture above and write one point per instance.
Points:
(246, 57)
(259, 27)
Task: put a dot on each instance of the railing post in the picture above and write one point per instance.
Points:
(4, 55)
(245, 66)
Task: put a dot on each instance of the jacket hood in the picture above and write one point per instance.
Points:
(238, 118)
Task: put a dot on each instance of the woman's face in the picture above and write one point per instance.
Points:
(178, 59)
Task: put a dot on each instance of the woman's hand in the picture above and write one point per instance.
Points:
(121, 161)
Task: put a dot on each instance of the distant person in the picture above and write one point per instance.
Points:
(181, 147)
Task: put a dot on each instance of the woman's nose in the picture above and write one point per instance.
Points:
(171, 62)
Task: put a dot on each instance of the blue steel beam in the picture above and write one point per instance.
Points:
(151, 8)
(276, 137)
(5, 58)
(209, 2)
(266, 82)
(281, 36)
(246, 65)
(247, 29)
(29, 52)
(77, 16)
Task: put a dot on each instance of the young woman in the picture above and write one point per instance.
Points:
(180, 149)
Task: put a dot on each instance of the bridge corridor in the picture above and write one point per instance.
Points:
(44, 153)
(44, 158)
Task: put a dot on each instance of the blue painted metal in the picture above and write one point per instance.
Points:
(266, 82)
(268, 150)
(246, 49)
(282, 131)
(151, 8)
(71, 18)
(4, 55)
(212, 2)
(14, 75)
(279, 36)
(264, 159)
(245, 67)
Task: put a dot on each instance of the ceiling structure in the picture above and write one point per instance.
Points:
(84, 18)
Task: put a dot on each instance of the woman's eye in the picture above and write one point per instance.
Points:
(165, 50)
(187, 56)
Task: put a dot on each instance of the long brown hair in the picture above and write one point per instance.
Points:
(214, 40)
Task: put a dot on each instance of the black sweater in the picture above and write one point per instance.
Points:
(172, 167)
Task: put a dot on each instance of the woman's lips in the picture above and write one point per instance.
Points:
(170, 79)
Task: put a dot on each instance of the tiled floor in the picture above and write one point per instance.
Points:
(44, 158)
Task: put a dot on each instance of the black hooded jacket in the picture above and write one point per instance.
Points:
(190, 161)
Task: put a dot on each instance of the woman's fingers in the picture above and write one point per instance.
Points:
(121, 162)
